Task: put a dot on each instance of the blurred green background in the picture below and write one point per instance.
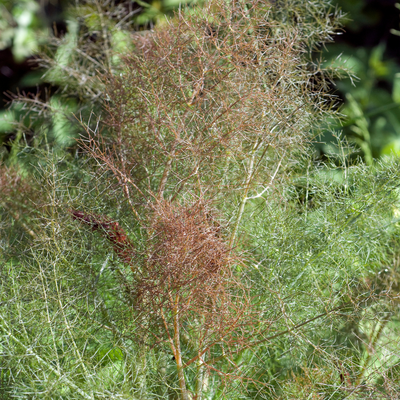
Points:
(369, 47)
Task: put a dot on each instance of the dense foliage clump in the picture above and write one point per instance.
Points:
(190, 244)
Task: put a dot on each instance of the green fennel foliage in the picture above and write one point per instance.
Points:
(194, 248)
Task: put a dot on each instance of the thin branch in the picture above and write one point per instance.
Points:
(41, 361)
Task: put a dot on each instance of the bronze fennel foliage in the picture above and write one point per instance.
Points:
(239, 267)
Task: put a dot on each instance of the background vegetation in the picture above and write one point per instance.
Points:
(181, 216)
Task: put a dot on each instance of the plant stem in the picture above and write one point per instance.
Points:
(246, 191)
(199, 378)
(165, 177)
(371, 348)
(178, 354)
